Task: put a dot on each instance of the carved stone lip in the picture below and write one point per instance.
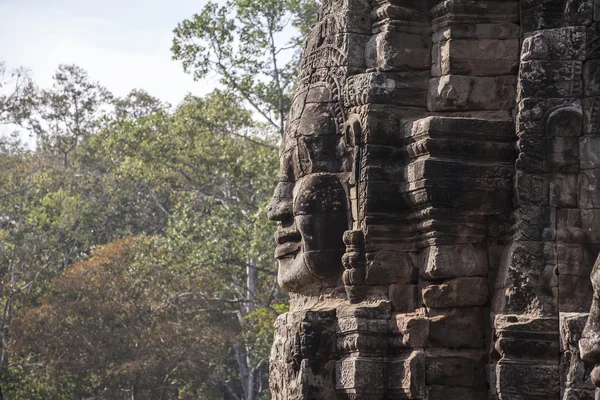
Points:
(287, 235)
(287, 250)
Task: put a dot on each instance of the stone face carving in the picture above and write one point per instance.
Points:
(438, 212)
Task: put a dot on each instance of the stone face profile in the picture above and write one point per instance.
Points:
(438, 209)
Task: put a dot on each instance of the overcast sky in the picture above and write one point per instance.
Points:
(123, 44)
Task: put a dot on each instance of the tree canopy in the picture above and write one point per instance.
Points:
(135, 253)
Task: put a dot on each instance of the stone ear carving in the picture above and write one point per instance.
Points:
(354, 259)
(353, 138)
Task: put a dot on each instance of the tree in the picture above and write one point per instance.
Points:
(67, 114)
(134, 329)
(16, 94)
(219, 182)
(51, 217)
(246, 44)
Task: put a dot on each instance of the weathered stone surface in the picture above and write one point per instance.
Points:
(591, 112)
(591, 77)
(567, 43)
(459, 92)
(459, 292)
(589, 152)
(456, 327)
(405, 376)
(397, 51)
(575, 293)
(477, 31)
(537, 15)
(579, 394)
(549, 79)
(360, 375)
(593, 41)
(530, 379)
(452, 12)
(456, 393)
(397, 88)
(589, 221)
(403, 297)
(442, 262)
(437, 151)
(409, 331)
(482, 57)
(455, 368)
(390, 267)
(589, 187)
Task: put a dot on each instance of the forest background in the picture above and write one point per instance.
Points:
(135, 254)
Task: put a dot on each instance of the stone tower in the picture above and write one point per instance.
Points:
(439, 207)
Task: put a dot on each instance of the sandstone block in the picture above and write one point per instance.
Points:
(593, 41)
(363, 375)
(574, 259)
(575, 293)
(527, 338)
(458, 92)
(589, 152)
(579, 394)
(436, 392)
(590, 220)
(403, 297)
(591, 114)
(563, 153)
(527, 349)
(548, 79)
(451, 12)
(405, 375)
(385, 267)
(398, 88)
(499, 31)
(591, 77)
(530, 379)
(398, 51)
(531, 189)
(456, 327)
(533, 114)
(531, 221)
(589, 189)
(571, 326)
(361, 335)
(555, 44)
(482, 57)
(409, 330)
(323, 51)
(577, 372)
(459, 292)
(455, 368)
(537, 15)
(347, 16)
(568, 218)
(564, 187)
(466, 128)
(442, 262)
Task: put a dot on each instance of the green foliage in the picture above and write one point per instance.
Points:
(247, 44)
(135, 252)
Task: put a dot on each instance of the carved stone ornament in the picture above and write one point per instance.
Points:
(438, 205)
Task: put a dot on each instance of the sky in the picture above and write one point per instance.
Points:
(123, 44)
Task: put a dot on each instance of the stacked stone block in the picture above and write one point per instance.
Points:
(545, 270)
(574, 373)
(469, 244)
